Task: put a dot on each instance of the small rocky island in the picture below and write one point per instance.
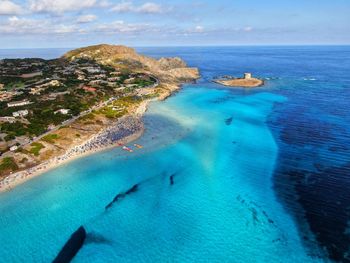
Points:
(247, 81)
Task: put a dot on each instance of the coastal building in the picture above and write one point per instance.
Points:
(115, 73)
(35, 91)
(130, 80)
(20, 113)
(89, 89)
(92, 69)
(98, 82)
(112, 84)
(113, 79)
(120, 88)
(5, 96)
(247, 75)
(81, 77)
(52, 83)
(62, 111)
(31, 75)
(13, 148)
(18, 103)
(8, 119)
(100, 76)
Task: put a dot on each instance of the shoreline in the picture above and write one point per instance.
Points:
(106, 139)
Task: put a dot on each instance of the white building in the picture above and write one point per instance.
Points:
(8, 119)
(62, 111)
(247, 75)
(115, 73)
(18, 103)
(20, 113)
(113, 79)
(92, 69)
(13, 148)
(81, 77)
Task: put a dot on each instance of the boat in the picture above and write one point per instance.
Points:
(125, 148)
(138, 145)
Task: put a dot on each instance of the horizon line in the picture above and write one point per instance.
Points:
(184, 46)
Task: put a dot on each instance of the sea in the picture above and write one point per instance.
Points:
(224, 175)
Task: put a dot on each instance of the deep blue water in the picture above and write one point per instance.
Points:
(226, 175)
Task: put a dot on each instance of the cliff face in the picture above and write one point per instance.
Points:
(168, 70)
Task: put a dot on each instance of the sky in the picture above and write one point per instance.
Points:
(75, 23)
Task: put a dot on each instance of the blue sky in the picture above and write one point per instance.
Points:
(73, 23)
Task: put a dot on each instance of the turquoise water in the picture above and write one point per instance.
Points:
(212, 176)
(218, 208)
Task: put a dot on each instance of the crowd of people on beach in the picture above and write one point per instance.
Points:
(123, 129)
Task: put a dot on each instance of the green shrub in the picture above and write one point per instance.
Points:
(36, 147)
(50, 138)
(8, 164)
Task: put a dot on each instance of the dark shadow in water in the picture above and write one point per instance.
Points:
(72, 247)
(171, 178)
(80, 237)
(120, 196)
(94, 237)
(228, 121)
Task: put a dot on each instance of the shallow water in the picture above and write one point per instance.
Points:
(214, 179)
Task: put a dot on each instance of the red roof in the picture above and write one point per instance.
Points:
(87, 88)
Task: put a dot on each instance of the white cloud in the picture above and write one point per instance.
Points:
(15, 25)
(248, 29)
(86, 18)
(104, 3)
(123, 7)
(146, 8)
(60, 6)
(9, 8)
(199, 29)
(26, 26)
(122, 27)
(150, 8)
(196, 30)
(65, 29)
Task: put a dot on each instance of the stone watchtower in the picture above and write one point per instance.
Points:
(247, 75)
